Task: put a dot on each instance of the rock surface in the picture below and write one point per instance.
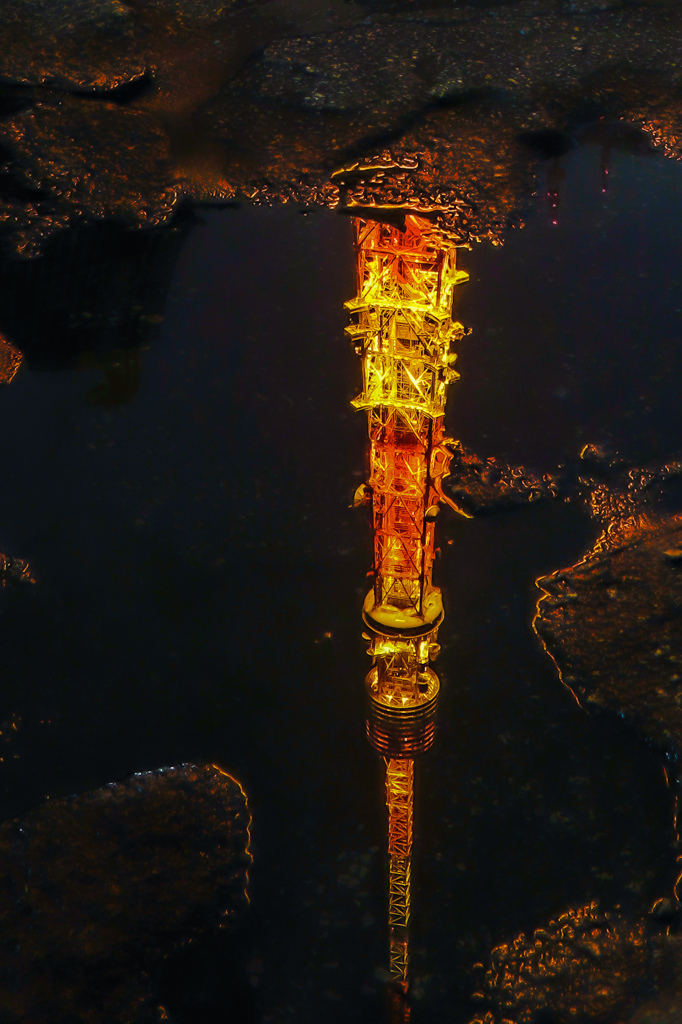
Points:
(403, 64)
(10, 360)
(584, 965)
(94, 889)
(480, 485)
(442, 112)
(74, 158)
(613, 624)
(444, 109)
(191, 11)
(70, 44)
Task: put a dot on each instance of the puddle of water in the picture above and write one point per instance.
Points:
(200, 576)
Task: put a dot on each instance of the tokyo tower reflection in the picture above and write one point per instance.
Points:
(403, 330)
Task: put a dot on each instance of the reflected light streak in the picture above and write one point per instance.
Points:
(403, 330)
(247, 850)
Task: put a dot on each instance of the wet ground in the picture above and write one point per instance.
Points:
(132, 110)
(96, 886)
(183, 574)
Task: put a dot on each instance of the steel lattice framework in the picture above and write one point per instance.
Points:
(400, 805)
(403, 317)
(403, 330)
(399, 801)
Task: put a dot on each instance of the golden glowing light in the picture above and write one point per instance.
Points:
(403, 330)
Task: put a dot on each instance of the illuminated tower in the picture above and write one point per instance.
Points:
(403, 330)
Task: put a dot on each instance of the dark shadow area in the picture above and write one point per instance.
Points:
(98, 288)
(216, 980)
(14, 98)
(96, 889)
(547, 143)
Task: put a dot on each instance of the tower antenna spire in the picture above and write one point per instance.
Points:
(402, 328)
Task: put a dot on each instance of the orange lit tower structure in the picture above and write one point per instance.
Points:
(403, 330)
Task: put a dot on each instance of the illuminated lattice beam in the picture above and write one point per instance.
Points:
(399, 801)
(402, 316)
(399, 959)
(399, 804)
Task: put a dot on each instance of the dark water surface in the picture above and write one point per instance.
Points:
(199, 579)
